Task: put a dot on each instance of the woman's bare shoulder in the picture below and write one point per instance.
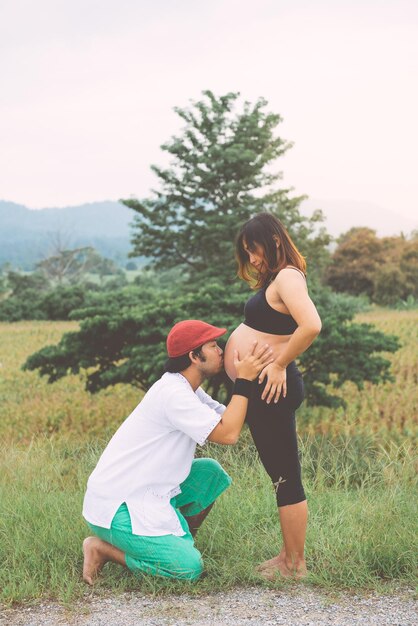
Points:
(290, 272)
(290, 277)
(294, 268)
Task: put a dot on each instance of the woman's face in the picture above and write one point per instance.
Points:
(256, 255)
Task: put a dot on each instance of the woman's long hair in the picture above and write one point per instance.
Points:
(266, 230)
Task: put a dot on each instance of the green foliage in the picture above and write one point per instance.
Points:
(19, 284)
(3, 285)
(408, 304)
(59, 286)
(123, 337)
(122, 340)
(344, 350)
(58, 303)
(23, 294)
(172, 280)
(55, 304)
(15, 309)
(220, 175)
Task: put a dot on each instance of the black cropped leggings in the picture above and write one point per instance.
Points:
(273, 428)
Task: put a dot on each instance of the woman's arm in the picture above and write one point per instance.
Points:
(290, 287)
(292, 290)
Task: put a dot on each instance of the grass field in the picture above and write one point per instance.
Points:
(385, 410)
(358, 467)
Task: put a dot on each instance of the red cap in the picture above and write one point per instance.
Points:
(190, 334)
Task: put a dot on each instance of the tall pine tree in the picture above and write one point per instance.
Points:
(221, 173)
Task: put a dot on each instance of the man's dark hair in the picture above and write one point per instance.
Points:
(180, 363)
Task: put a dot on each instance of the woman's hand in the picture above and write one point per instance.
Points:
(276, 382)
(253, 362)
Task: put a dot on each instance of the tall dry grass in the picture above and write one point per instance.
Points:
(30, 407)
(388, 410)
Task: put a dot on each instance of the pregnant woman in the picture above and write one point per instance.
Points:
(281, 314)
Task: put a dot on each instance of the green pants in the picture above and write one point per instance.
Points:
(169, 555)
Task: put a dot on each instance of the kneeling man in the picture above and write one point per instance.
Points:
(148, 496)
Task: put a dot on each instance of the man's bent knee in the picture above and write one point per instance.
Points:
(208, 464)
(191, 568)
(214, 469)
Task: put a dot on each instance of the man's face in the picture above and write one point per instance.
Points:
(211, 361)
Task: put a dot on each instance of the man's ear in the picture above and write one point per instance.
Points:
(193, 357)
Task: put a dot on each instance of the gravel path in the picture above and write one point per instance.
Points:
(241, 607)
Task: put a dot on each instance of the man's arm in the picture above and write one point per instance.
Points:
(229, 428)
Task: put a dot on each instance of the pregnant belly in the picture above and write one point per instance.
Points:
(242, 339)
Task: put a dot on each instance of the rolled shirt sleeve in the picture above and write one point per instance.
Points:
(209, 401)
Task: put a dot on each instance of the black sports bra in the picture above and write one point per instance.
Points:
(261, 316)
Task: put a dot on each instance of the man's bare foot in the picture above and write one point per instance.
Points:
(277, 566)
(94, 558)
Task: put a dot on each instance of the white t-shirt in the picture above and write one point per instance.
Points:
(150, 455)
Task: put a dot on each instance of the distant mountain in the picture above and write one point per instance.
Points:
(27, 236)
(341, 215)
(101, 219)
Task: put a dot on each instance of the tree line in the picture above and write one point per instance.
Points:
(383, 268)
(60, 283)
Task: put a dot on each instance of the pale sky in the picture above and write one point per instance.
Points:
(87, 89)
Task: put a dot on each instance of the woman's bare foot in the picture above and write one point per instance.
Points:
(94, 558)
(277, 566)
(272, 563)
